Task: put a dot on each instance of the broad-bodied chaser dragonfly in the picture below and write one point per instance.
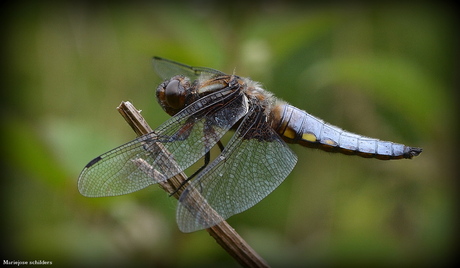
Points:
(205, 104)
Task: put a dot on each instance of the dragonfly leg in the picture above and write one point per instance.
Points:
(206, 162)
(207, 159)
(221, 146)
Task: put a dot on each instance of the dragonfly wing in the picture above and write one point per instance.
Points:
(167, 68)
(184, 139)
(252, 165)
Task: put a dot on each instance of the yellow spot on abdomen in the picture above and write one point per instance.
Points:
(289, 133)
(329, 142)
(309, 137)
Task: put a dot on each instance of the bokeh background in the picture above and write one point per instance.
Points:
(385, 71)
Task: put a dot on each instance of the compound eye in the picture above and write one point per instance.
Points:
(175, 94)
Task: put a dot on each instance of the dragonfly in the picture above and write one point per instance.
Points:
(205, 104)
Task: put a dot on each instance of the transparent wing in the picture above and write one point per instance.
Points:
(167, 68)
(187, 137)
(253, 164)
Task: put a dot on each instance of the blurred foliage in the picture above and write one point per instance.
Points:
(385, 71)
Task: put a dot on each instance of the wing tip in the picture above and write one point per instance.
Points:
(94, 161)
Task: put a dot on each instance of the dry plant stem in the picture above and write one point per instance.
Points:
(223, 233)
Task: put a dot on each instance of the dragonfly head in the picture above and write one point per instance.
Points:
(175, 94)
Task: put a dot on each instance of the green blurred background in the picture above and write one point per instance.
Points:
(385, 71)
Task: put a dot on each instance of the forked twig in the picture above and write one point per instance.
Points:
(223, 233)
